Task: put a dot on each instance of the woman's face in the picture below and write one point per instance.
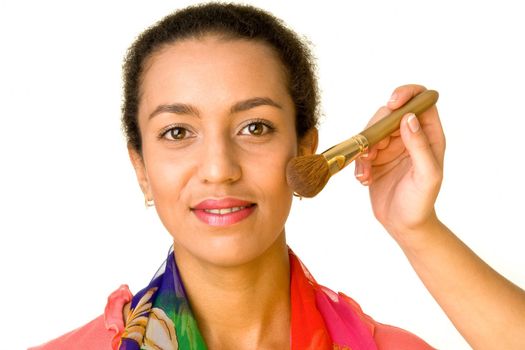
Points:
(218, 128)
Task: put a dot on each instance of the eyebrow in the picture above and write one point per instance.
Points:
(252, 103)
(176, 108)
(182, 108)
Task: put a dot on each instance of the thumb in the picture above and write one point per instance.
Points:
(424, 163)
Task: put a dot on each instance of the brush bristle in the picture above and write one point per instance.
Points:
(308, 175)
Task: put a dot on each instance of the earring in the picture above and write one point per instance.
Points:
(149, 202)
(298, 196)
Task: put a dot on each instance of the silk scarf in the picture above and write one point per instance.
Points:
(160, 317)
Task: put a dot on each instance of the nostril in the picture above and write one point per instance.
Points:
(220, 168)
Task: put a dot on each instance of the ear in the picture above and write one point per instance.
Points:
(140, 170)
(307, 145)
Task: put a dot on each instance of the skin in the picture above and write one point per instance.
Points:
(214, 155)
(404, 174)
(218, 156)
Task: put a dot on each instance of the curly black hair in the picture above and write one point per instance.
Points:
(236, 22)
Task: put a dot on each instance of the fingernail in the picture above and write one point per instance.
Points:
(393, 98)
(364, 155)
(413, 123)
(358, 170)
(364, 183)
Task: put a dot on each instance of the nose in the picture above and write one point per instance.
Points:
(219, 162)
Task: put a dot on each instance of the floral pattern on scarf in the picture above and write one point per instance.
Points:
(160, 316)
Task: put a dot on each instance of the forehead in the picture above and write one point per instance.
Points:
(213, 64)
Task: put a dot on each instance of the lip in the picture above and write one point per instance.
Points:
(221, 203)
(226, 219)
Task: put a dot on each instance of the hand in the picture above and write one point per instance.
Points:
(404, 171)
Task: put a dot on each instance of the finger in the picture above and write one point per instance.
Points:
(378, 115)
(403, 94)
(433, 129)
(358, 171)
(362, 171)
(429, 119)
(383, 143)
(370, 155)
(427, 172)
(385, 156)
(377, 172)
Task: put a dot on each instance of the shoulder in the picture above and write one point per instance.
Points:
(100, 334)
(385, 336)
(93, 335)
(389, 337)
(343, 316)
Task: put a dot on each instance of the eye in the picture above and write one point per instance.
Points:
(176, 133)
(257, 128)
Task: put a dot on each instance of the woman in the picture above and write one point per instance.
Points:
(218, 99)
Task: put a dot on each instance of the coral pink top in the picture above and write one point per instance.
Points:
(103, 333)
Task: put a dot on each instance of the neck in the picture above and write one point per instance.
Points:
(236, 307)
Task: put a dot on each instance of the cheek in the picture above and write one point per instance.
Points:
(277, 200)
(269, 174)
(167, 176)
(168, 181)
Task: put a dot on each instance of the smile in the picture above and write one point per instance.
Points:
(223, 212)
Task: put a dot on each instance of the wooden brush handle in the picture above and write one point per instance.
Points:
(390, 123)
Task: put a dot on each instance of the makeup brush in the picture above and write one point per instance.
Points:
(307, 175)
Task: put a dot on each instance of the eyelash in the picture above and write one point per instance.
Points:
(172, 127)
(265, 123)
(269, 126)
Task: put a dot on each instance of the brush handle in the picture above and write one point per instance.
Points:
(390, 123)
(342, 154)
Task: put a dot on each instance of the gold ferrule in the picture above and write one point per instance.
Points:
(346, 152)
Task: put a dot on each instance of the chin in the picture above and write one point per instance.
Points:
(231, 251)
(230, 254)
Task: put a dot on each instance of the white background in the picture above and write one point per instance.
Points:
(72, 220)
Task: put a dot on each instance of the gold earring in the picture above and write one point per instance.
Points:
(149, 202)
